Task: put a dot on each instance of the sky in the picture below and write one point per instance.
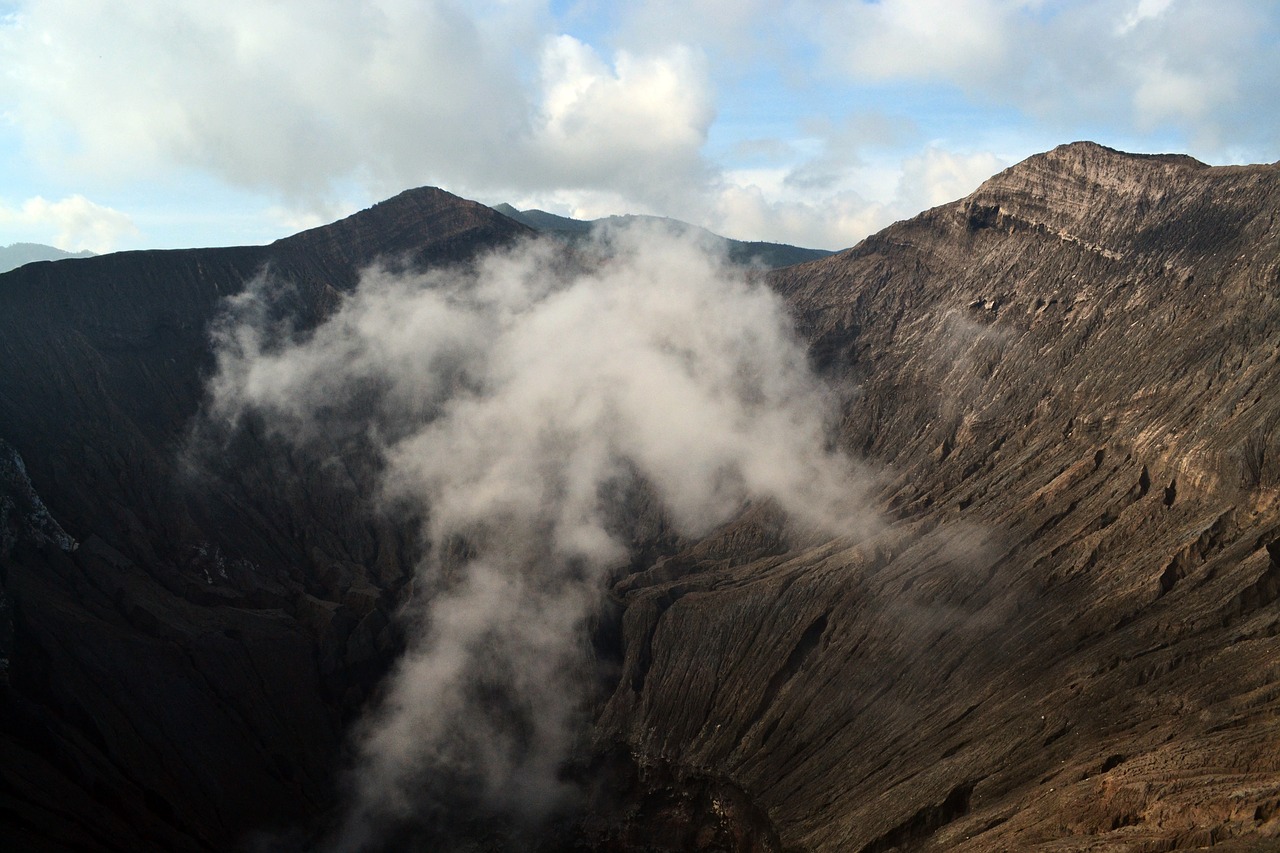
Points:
(181, 123)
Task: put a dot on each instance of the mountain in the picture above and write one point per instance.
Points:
(181, 652)
(1067, 639)
(747, 253)
(1062, 637)
(18, 254)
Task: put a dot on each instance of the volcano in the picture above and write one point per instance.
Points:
(1062, 636)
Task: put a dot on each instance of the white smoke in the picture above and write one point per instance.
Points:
(509, 401)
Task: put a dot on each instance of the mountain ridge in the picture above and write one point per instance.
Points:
(748, 253)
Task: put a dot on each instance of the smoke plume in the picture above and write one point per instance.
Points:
(510, 403)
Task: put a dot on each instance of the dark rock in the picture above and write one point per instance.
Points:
(182, 679)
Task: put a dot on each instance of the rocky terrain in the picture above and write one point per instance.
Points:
(1064, 636)
(1067, 639)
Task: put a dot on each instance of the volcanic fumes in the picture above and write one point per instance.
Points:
(508, 405)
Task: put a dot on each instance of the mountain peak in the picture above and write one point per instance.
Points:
(1086, 149)
(406, 218)
(411, 227)
(1101, 197)
(1089, 162)
(1063, 387)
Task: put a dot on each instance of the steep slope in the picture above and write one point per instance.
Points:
(747, 253)
(179, 667)
(1066, 638)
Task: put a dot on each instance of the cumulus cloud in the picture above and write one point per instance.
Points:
(841, 146)
(287, 95)
(732, 31)
(1145, 10)
(1184, 65)
(754, 203)
(917, 39)
(300, 98)
(637, 127)
(792, 205)
(73, 223)
(297, 96)
(595, 110)
(937, 176)
(512, 405)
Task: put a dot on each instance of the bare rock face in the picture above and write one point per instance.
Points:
(1065, 637)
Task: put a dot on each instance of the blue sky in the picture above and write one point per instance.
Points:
(168, 123)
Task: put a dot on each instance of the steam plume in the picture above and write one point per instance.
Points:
(508, 403)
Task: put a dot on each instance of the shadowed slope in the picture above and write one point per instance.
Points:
(181, 677)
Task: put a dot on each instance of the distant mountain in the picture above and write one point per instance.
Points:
(769, 255)
(19, 254)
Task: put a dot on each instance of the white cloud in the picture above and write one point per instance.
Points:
(1189, 66)
(758, 207)
(73, 223)
(637, 126)
(297, 96)
(841, 147)
(770, 204)
(1163, 95)
(732, 31)
(936, 176)
(1144, 10)
(917, 39)
(289, 95)
(307, 100)
(295, 220)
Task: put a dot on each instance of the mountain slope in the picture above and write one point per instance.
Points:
(747, 253)
(179, 674)
(1066, 639)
